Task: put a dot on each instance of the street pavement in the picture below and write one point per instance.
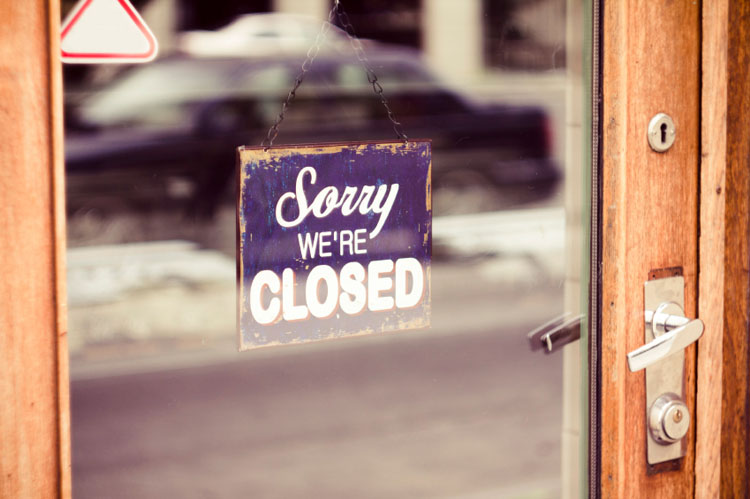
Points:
(463, 409)
(413, 414)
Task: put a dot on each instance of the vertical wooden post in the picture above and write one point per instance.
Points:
(649, 203)
(723, 400)
(735, 407)
(711, 249)
(34, 407)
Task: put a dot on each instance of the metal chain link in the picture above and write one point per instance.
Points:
(371, 76)
(312, 52)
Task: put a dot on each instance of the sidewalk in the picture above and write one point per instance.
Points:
(173, 298)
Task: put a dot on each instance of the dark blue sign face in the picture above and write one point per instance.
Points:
(333, 240)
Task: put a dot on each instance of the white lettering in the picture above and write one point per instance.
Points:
(322, 309)
(265, 279)
(325, 243)
(325, 202)
(346, 240)
(377, 284)
(307, 246)
(359, 240)
(292, 312)
(354, 294)
(300, 196)
(346, 199)
(380, 206)
(382, 286)
(328, 200)
(411, 266)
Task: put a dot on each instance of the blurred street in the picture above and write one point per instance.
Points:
(163, 405)
(463, 409)
(465, 415)
(165, 295)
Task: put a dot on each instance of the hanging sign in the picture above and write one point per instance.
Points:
(333, 240)
(106, 31)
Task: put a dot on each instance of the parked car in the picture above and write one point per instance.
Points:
(259, 34)
(165, 134)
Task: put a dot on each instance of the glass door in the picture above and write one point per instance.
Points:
(162, 402)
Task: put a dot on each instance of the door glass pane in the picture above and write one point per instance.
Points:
(164, 405)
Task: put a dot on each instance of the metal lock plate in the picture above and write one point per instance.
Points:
(667, 375)
(661, 132)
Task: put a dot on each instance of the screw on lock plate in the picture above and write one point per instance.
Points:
(661, 132)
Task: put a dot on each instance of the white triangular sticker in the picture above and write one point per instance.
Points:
(106, 31)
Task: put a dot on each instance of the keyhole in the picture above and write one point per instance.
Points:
(660, 142)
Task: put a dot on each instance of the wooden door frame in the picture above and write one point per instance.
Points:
(34, 413)
(689, 207)
(723, 398)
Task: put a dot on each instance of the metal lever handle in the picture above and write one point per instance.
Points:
(673, 332)
(556, 333)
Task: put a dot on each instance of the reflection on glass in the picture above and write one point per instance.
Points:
(164, 405)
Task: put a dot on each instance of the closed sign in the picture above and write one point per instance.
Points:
(334, 240)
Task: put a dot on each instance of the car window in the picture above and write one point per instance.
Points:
(270, 79)
(411, 90)
(353, 74)
(152, 89)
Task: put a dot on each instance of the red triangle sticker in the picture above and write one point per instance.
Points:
(106, 31)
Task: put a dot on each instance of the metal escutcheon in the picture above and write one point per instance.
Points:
(661, 132)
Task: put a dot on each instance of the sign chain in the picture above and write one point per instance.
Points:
(371, 76)
(312, 53)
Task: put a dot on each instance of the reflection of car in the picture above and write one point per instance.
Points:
(258, 34)
(166, 133)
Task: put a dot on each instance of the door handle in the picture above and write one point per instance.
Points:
(667, 332)
(673, 332)
(553, 335)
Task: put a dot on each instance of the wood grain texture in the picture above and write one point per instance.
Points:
(649, 219)
(712, 248)
(59, 227)
(735, 406)
(34, 420)
(722, 411)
